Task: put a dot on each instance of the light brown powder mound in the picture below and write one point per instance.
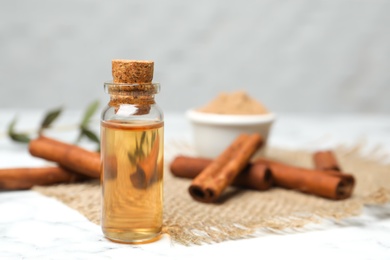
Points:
(235, 103)
(132, 71)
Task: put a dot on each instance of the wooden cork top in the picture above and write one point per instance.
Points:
(132, 71)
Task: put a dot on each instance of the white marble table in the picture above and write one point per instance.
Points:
(33, 226)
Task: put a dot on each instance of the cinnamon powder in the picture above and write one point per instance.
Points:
(234, 103)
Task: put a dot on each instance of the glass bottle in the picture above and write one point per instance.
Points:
(132, 152)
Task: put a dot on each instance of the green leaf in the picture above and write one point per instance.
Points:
(91, 109)
(131, 158)
(21, 138)
(90, 135)
(11, 127)
(153, 136)
(143, 137)
(49, 118)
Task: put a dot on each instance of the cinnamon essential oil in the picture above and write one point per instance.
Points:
(132, 195)
(132, 153)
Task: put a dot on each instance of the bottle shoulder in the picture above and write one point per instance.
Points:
(133, 112)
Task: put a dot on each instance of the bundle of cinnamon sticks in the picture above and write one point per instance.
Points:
(210, 177)
(235, 167)
(72, 164)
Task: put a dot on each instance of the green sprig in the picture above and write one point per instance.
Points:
(50, 117)
(17, 137)
(84, 130)
(91, 110)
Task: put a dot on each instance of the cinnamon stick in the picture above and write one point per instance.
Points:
(26, 178)
(328, 184)
(68, 156)
(212, 181)
(253, 176)
(325, 160)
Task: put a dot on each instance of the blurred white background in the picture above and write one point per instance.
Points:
(298, 56)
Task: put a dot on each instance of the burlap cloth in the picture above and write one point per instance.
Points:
(243, 213)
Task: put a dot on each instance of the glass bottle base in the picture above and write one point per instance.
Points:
(139, 236)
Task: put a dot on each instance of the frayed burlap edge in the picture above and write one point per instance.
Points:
(244, 213)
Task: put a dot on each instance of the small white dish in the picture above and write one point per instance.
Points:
(213, 133)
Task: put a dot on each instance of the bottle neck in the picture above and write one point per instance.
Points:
(116, 100)
(141, 94)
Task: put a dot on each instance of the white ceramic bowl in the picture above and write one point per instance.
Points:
(213, 133)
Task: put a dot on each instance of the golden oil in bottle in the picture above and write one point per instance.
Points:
(132, 180)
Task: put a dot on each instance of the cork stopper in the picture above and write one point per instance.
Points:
(132, 71)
